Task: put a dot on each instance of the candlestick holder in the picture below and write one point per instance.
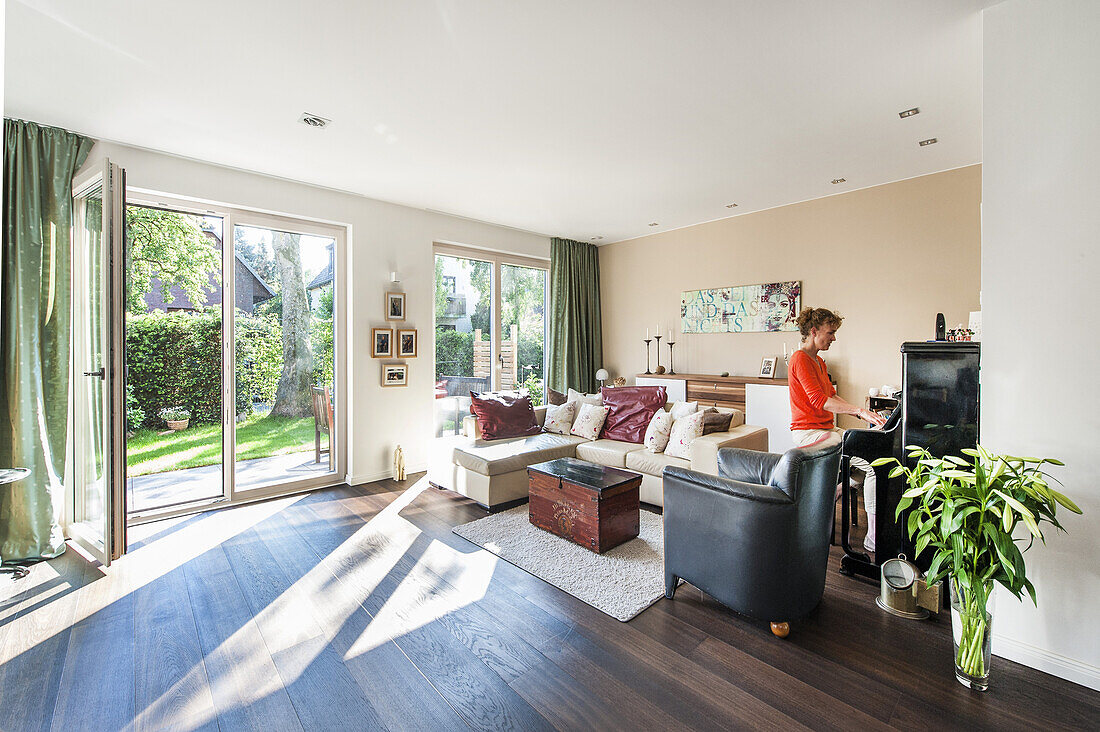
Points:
(658, 339)
(647, 342)
(671, 370)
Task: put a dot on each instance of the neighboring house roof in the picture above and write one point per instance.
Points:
(324, 277)
(270, 292)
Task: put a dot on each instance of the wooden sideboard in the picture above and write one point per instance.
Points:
(707, 389)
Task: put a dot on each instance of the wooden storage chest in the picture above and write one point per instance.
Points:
(588, 504)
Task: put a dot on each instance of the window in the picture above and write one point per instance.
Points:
(490, 329)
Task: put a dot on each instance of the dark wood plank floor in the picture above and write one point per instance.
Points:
(357, 608)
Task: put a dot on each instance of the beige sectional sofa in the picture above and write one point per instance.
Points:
(494, 473)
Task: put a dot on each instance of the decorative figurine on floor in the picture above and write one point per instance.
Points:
(398, 464)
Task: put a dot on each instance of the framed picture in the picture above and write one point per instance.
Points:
(395, 306)
(381, 342)
(395, 374)
(767, 367)
(406, 343)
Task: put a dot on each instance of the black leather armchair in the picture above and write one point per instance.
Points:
(756, 536)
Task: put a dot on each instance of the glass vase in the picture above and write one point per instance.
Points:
(972, 631)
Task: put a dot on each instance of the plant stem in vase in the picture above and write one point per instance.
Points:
(972, 632)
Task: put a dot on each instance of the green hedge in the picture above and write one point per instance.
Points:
(175, 360)
(454, 353)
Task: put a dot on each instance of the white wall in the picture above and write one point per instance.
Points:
(1040, 269)
(383, 237)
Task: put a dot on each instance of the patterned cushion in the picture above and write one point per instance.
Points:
(657, 434)
(684, 431)
(560, 419)
(682, 409)
(589, 421)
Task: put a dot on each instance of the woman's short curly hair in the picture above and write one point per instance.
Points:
(811, 318)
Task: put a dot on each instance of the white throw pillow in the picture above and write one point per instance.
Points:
(684, 432)
(576, 396)
(589, 421)
(657, 434)
(559, 419)
(682, 409)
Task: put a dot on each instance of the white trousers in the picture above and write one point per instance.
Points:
(805, 438)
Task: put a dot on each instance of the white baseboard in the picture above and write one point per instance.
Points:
(1051, 663)
(361, 478)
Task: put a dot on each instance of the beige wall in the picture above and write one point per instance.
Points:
(887, 258)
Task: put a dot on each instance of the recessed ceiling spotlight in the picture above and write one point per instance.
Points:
(731, 205)
(654, 224)
(909, 112)
(313, 120)
(929, 141)
(597, 238)
(838, 180)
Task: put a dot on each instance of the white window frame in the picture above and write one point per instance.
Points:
(498, 258)
(233, 216)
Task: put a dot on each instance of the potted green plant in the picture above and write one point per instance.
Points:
(176, 417)
(965, 511)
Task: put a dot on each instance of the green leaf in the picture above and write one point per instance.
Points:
(913, 492)
(883, 461)
(896, 471)
(1020, 508)
(1065, 501)
(922, 544)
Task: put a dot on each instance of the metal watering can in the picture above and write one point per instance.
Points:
(904, 592)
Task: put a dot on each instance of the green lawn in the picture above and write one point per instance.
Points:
(150, 451)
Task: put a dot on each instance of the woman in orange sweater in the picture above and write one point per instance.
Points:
(815, 404)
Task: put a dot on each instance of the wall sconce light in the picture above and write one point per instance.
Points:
(394, 278)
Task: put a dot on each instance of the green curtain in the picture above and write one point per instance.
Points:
(576, 339)
(39, 163)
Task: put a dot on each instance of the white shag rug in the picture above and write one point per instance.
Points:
(621, 582)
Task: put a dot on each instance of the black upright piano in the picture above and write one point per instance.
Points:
(938, 410)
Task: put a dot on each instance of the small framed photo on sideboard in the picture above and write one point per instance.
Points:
(767, 367)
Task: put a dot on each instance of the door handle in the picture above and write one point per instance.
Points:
(101, 373)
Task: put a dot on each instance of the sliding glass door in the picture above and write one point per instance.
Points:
(490, 329)
(284, 346)
(234, 356)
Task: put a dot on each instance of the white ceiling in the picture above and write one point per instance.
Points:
(575, 118)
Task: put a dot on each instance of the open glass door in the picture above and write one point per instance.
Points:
(97, 510)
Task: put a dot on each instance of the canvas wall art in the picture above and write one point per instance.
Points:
(745, 309)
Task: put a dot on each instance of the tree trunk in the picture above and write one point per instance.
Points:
(292, 396)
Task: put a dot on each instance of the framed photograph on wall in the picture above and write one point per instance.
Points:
(381, 342)
(395, 374)
(767, 367)
(395, 306)
(406, 343)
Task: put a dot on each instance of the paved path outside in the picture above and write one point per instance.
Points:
(146, 492)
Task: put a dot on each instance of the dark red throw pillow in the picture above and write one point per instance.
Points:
(503, 415)
(631, 409)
